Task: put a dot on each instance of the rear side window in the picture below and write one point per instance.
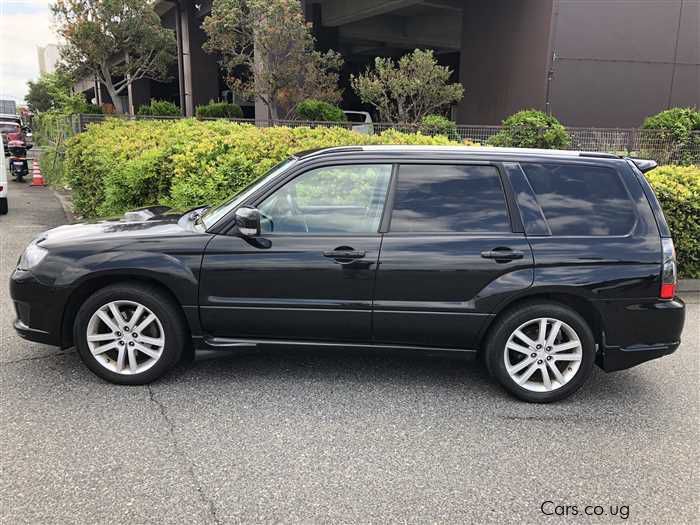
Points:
(582, 200)
(449, 198)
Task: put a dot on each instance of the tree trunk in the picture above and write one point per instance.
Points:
(113, 94)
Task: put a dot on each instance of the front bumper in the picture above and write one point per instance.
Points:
(39, 309)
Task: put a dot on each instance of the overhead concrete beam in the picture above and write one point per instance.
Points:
(341, 12)
(436, 31)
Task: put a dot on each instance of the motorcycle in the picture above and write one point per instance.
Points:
(19, 167)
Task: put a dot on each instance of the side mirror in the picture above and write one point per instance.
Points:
(248, 221)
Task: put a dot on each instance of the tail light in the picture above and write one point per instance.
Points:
(669, 278)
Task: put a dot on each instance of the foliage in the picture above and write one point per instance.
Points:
(119, 165)
(531, 129)
(409, 91)
(680, 127)
(219, 110)
(96, 31)
(159, 108)
(311, 109)
(285, 68)
(52, 92)
(678, 190)
(438, 125)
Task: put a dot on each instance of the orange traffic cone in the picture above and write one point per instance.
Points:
(37, 177)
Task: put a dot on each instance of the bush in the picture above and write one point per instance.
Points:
(160, 108)
(678, 190)
(219, 110)
(438, 125)
(119, 164)
(311, 109)
(531, 129)
(678, 137)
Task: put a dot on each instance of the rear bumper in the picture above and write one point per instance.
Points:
(638, 331)
(612, 359)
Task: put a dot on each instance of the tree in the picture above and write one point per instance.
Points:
(268, 51)
(113, 39)
(52, 92)
(406, 93)
(531, 128)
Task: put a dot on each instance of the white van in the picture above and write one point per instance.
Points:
(3, 180)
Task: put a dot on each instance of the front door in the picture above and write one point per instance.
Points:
(310, 274)
(450, 251)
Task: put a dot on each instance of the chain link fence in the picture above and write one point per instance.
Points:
(658, 145)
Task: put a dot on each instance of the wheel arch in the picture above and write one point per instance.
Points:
(581, 305)
(91, 285)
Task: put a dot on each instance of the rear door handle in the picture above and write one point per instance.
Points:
(502, 254)
(343, 254)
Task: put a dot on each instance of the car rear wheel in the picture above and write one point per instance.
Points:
(541, 352)
(3, 206)
(129, 334)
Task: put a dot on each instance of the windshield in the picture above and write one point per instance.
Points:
(213, 215)
(9, 127)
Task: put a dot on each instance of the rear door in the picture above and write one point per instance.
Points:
(452, 250)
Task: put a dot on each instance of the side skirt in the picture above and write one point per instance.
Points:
(245, 345)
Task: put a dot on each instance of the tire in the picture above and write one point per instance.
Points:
(133, 358)
(556, 370)
(3, 206)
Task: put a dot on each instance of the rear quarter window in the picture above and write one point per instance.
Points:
(582, 200)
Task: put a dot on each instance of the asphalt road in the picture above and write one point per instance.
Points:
(332, 438)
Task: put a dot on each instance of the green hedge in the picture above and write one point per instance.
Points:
(438, 125)
(219, 110)
(678, 136)
(678, 189)
(119, 165)
(311, 109)
(159, 108)
(531, 129)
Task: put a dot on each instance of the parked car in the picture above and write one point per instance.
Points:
(3, 181)
(361, 121)
(542, 262)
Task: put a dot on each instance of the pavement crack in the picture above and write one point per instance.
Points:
(189, 467)
(35, 358)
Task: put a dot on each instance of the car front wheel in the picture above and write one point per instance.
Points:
(541, 352)
(129, 334)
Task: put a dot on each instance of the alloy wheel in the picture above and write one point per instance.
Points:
(543, 354)
(125, 337)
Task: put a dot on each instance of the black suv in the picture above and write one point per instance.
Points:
(543, 262)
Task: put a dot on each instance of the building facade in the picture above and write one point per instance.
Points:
(606, 63)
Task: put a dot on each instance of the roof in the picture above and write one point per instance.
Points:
(471, 150)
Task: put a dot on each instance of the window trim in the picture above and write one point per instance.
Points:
(629, 234)
(256, 200)
(516, 226)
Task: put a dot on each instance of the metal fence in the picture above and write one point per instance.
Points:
(658, 145)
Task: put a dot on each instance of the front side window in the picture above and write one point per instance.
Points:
(329, 200)
(449, 198)
(581, 200)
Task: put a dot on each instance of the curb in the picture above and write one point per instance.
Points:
(66, 205)
(689, 285)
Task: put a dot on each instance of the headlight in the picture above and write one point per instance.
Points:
(32, 256)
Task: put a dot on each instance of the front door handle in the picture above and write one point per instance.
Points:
(502, 254)
(344, 254)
